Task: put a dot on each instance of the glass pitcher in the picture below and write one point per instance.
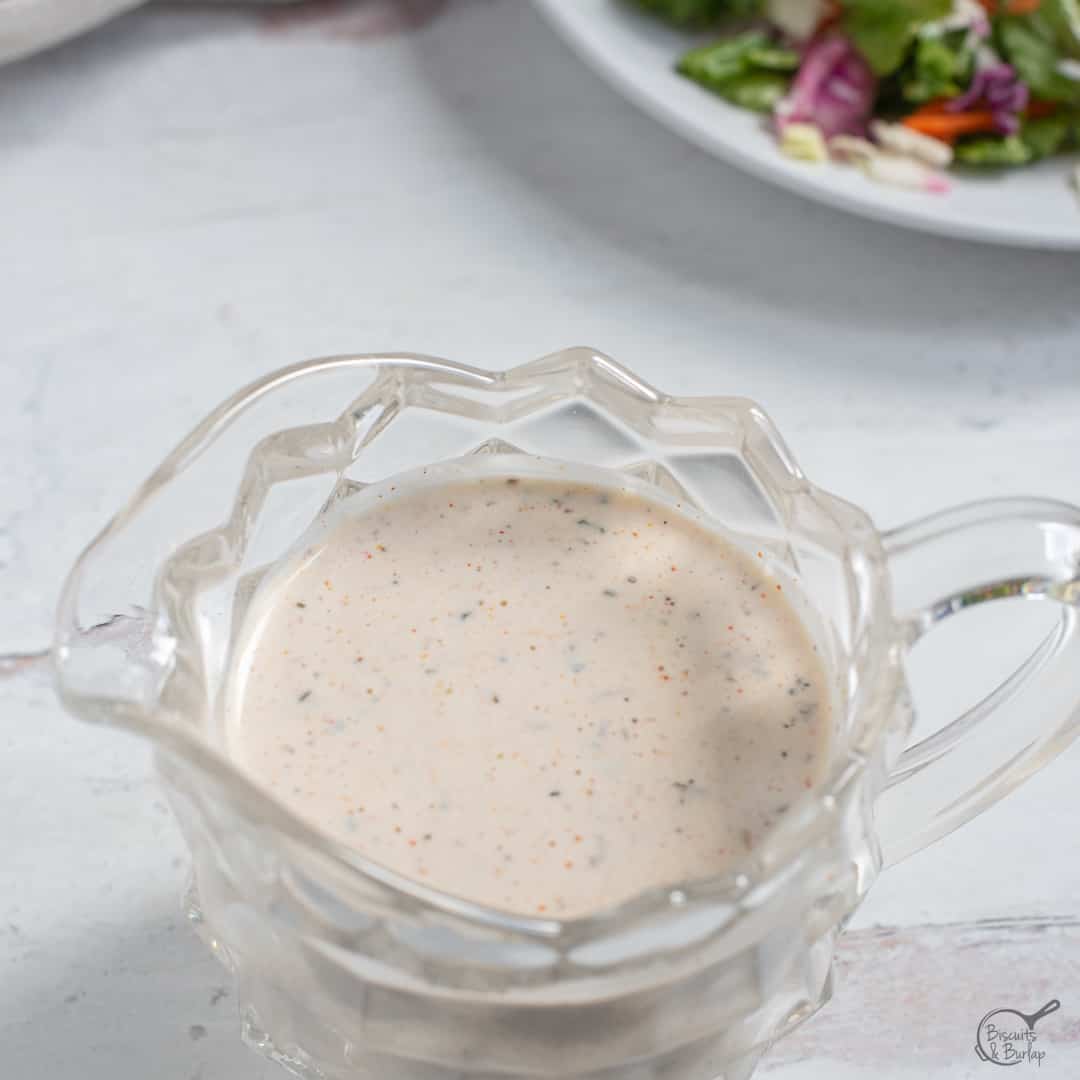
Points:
(345, 970)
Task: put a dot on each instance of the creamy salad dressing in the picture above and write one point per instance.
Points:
(544, 696)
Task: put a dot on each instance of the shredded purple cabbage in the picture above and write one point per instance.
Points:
(834, 89)
(998, 87)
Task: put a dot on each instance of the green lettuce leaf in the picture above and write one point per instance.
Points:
(884, 30)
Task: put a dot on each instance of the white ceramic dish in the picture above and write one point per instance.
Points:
(29, 25)
(1032, 207)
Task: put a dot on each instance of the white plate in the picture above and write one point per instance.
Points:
(1031, 207)
(29, 25)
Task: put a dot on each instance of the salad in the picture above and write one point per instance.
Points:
(904, 89)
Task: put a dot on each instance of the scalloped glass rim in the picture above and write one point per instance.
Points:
(522, 388)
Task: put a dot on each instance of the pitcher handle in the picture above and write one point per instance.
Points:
(941, 565)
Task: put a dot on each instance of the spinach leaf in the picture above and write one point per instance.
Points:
(1028, 43)
(939, 67)
(1037, 139)
(993, 151)
(698, 12)
(1046, 136)
(759, 90)
(712, 65)
(1063, 18)
(746, 69)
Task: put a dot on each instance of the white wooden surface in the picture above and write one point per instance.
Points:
(190, 198)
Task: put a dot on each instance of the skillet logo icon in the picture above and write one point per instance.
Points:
(1007, 1036)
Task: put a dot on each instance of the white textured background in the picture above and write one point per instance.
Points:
(191, 198)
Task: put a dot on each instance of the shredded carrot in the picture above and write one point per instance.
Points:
(931, 108)
(933, 120)
(937, 107)
(1011, 7)
(1038, 109)
(830, 16)
(950, 126)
